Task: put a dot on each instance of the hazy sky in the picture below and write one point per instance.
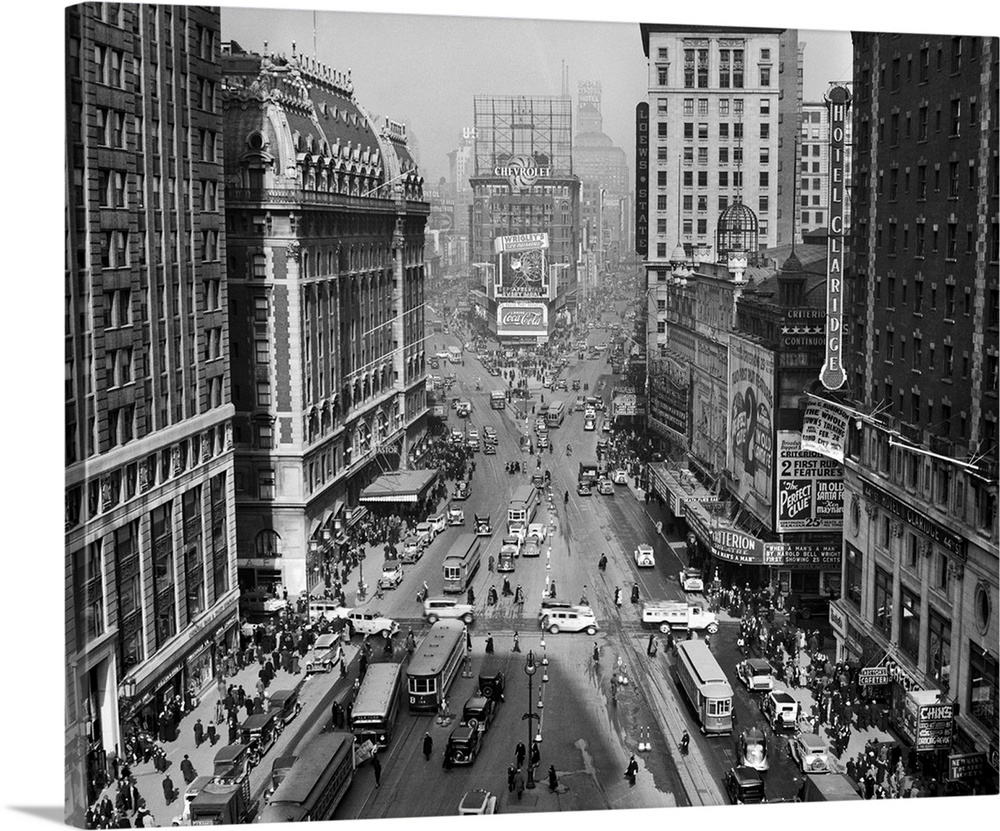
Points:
(425, 69)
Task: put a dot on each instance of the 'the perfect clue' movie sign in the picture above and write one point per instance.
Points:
(810, 488)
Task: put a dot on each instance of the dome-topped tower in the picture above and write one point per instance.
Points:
(736, 231)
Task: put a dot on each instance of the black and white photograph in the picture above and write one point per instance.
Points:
(525, 414)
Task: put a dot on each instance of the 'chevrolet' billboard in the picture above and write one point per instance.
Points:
(522, 319)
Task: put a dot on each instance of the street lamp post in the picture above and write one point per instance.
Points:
(529, 669)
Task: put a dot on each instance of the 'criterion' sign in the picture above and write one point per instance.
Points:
(832, 375)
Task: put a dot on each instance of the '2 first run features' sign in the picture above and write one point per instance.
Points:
(833, 375)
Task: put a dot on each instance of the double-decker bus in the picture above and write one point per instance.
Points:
(377, 703)
(461, 562)
(434, 665)
(706, 686)
(318, 779)
(555, 414)
(522, 509)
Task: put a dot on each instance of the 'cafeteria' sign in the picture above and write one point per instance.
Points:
(873, 676)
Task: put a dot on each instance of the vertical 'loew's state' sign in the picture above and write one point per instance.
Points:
(832, 375)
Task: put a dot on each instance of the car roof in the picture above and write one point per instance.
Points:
(812, 740)
(463, 732)
(644, 547)
(782, 697)
(451, 601)
(747, 775)
(758, 664)
(474, 800)
(477, 701)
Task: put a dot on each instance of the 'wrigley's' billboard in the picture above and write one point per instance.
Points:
(522, 319)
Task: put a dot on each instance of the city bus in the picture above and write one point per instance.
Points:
(522, 509)
(461, 562)
(377, 703)
(434, 665)
(454, 355)
(706, 687)
(317, 781)
(497, 399)
(555, 414)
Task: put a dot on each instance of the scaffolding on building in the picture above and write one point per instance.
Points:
(539, 127)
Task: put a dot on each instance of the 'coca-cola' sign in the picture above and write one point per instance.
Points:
(522, 319)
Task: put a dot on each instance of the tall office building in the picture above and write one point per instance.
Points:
(151, 598)
(326, 220)
(720, 105)
(923, 315)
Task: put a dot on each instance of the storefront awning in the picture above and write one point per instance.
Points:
(678, 487)
(402, 486)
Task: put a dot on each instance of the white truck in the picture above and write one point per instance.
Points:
(676, 614)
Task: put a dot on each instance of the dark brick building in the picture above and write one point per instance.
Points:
(921, 353)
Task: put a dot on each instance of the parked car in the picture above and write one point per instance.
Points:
(441, 608)
(572, 619)
(477, 802)
(462, 491)
(463, 746)
(392, 574)
(605, 487)
(644, 556)
(620, 476)
(479, 712)
(756, 674)
(691, 580)
(324, 654)
(456, 516)
(810, 753)
(438, 522)
(744, 785)
(425, 533)
(780, 710)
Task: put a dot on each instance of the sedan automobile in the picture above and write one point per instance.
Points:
(537, 529)
(477, 802)
(756, 674)
(531, 547)
(462, 490)
(619, 477)
(583, 489)
(810, 753)
(644, 557)
(751, 749)
(744, 785)
(605, 488)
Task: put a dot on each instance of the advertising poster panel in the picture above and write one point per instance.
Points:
(810, 488)
(751, 407)
(824, 429)
(522, 319)
(522, 264)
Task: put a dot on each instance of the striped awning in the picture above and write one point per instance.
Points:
(402, 486)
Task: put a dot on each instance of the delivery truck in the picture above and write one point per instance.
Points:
(676, 614)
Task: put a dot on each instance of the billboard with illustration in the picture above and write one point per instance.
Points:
(751, 407)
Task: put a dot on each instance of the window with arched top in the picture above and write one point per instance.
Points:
(267, 544)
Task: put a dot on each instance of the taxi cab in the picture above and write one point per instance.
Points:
(692, 580)
(476, 802)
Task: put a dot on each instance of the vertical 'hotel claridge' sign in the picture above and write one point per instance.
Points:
(641, 178)
(832, 376)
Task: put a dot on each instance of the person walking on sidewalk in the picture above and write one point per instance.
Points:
(519, 783)
(428, 746)
(519, 754)
(510, 779)
(199, 733)
(187, 770)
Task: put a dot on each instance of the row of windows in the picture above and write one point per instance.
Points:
(723, 104)
(730, 69)
(818, 217)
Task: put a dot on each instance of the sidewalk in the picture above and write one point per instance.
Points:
(150, 783)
